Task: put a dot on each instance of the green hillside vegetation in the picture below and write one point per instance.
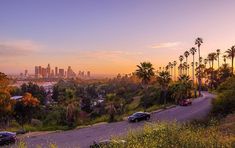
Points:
(173, 135)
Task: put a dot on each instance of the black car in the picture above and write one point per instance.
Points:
(138, 116)
(7, 138)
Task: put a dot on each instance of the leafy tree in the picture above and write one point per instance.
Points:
(6, 104)
(164, 80)
(224, 73)
(36, 91)
(72, 111)
(63, 91)
(181, 89)
(86, 105)
(224, 103)
(112, 103)
(25, 108)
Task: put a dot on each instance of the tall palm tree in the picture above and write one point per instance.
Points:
(230, 54)
(196, 64)
(218, 53)
(181, 58)
(186, 54)
(192, 64)
(225, 58)
(205, 62)
(164, 79)
(188, 66)
(145, 72)
(199, 42)
(175, 63)
(169, 66)
(185, 68)
(212, 57)
(193, 50)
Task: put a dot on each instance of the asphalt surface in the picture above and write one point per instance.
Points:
(84, 137)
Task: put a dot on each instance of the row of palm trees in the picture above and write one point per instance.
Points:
(183, 67)
(145, 69)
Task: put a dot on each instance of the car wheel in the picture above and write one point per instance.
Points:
(147, 118)
(136, 120)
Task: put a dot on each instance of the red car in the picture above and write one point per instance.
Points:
(185, 102)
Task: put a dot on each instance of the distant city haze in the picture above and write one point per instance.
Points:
(109, 37)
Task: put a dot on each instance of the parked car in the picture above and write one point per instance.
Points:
(185, 102)
(138, 116)
(108, 142)
(7, 138)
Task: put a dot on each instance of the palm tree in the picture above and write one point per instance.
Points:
(170, 70)
(212, 57)
(175, 63)
(164, 79)
(196, 64)
(205, 62)
(193, 50)
(192, 64)
(186, 54)
(231, 54)
(225, 58)
(145, 72)
(199, 42)
(181, 58)
(112, 101)
(185, 68)
(218, 53)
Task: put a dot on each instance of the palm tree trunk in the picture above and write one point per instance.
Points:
(232, 65)
(187, 67)
(195, 93)
(212, 73)
(175, 73)
(199, 76)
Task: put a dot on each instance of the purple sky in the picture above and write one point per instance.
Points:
(107, 36)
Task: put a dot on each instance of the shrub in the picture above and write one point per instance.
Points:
(168, 135)
(225, 101)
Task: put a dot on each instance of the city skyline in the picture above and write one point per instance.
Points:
(109, 37)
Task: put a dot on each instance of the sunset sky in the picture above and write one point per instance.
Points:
(109, 36)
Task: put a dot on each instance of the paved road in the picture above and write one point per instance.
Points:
(84, 137)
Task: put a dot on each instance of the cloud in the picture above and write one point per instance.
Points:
(165, 45)
(113, 54)
(18, 48)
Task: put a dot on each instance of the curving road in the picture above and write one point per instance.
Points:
(85, 136)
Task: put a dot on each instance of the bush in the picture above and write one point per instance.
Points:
(224, 104)
(56, 117)
(225, 101)
(168, 135)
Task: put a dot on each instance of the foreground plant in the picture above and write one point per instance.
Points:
(173, 135)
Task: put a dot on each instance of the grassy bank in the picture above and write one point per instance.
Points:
(177, 135)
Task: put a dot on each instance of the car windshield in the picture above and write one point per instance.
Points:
(137, 114)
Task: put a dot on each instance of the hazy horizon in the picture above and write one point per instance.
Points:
(109, 37)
